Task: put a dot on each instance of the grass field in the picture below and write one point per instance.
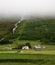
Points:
(52, 52)
(28, 59)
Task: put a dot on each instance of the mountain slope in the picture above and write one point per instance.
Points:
(35, 29)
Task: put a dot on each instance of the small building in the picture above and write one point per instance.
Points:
(38, 47)
(25, 47)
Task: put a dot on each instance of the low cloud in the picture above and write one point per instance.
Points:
(27, 7)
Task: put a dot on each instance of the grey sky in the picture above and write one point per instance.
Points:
(27, 7)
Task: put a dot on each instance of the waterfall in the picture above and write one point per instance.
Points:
(16, 25)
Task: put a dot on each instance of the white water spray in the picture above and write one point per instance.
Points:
(16, 25)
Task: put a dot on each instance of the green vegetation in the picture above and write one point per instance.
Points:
(37, 29)
(30, 29)
(30, 32)
(6, 26)
(34, 59)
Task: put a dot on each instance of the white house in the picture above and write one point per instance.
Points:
(38, 47)
(25, 47)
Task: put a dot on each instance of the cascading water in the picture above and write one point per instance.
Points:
(16, 25)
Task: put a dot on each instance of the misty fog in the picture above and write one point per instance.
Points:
(27, 8)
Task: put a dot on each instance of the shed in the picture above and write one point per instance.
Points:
(25, 47)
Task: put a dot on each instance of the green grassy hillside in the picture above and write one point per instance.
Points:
(42, 29)
(34, 31)
(6, 26)
(37, 29)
